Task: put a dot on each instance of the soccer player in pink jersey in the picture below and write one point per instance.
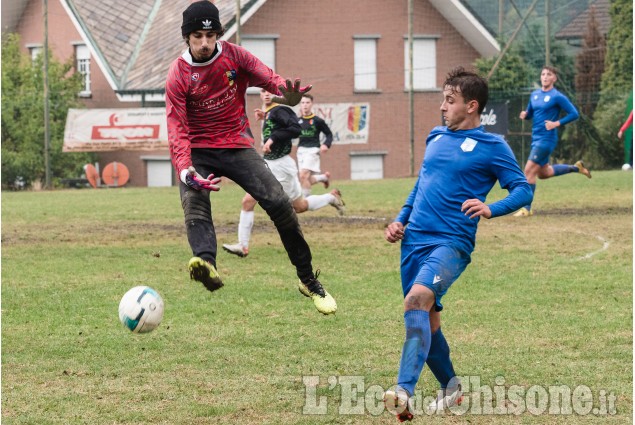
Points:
(209, 135)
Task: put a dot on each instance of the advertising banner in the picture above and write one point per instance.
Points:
(99, 130)
(495, 118)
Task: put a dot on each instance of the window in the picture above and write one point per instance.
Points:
(35, 50)
(264, 48)
(365, 68)
(82, 56)
(424, 61)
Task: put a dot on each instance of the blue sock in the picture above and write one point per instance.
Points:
(533, 191)
(560, 169)
(439, 359)
(415, 349)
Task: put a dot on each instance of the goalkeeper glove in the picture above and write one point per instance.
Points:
(194, 180)
(291, 94)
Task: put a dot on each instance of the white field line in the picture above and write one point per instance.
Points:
(605, 246)
(605, 243)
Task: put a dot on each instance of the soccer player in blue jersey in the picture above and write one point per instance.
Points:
(545, 106)
(437, 229)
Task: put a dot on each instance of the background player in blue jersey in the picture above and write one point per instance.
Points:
(545, 106)
(437, 228)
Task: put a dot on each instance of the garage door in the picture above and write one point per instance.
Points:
(159, 173)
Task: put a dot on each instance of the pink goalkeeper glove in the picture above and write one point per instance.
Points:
(194, 180)
(291, 94)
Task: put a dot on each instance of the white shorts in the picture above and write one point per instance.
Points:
(286, 172)
(309, 159)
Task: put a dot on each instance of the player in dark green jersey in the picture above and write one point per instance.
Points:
(310, 148)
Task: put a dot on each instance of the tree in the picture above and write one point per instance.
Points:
(23, 117)
(580, 139)
(618, 76)
(607, 120)
(616, 86)
(513, 74)
(590, 66)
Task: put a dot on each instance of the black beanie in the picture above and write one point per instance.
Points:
(200, 15)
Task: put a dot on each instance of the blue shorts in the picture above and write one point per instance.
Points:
(434, 266)
(540, 154)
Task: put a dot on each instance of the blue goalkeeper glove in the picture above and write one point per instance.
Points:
(292, 93)
(194, 180)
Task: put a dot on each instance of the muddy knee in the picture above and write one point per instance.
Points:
(196, 206)
(282, 213)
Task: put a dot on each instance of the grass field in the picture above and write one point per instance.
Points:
(547, 301)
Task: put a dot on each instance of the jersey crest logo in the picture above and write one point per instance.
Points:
(547, 98)
(230, 77)
(311, 122)
(195, 76)
(468, 145)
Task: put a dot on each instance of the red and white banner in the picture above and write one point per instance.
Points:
(98, 130)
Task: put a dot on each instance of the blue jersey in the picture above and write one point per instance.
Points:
(546, 106)
(457, 166)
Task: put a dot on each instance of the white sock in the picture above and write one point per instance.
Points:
(244, 227)
(320, 201)
(320, 177)
(306, 192)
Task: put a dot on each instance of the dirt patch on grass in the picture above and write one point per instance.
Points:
(104, 232)
(587, 211)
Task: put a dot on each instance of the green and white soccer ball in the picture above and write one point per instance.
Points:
(141, 309)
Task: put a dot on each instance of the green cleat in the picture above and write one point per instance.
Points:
(322, 300)
(582, 169)
(204, 272)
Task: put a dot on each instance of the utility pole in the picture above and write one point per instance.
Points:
(47, 131)
(547, 32)
(501, 15)
(238, 22)
(411, 89)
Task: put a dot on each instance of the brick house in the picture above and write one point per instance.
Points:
(354, 53)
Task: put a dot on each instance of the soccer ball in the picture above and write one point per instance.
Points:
(141, 309)
(627, 167)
